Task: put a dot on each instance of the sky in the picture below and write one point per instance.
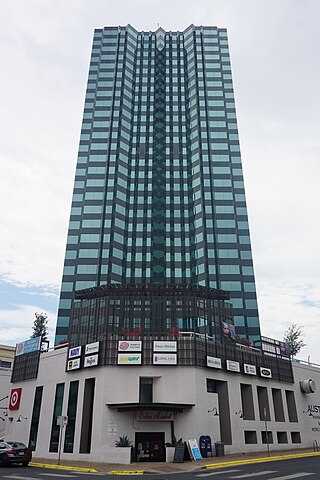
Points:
(45, 49)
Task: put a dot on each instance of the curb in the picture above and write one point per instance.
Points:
(126, 472)
(261, 460)
(63, 467)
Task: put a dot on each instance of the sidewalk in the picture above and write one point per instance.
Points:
(162, 467)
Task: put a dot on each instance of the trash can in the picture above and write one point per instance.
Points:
(219, 446)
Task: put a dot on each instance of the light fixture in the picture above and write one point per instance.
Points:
(214, 411)
(240, 414)
(21, 417)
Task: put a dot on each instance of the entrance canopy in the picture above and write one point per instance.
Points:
(160, 407)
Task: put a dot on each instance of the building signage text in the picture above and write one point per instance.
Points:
(73, 364)
(233, 366)
(164, 346)
(249, 369)
(92, 348)
(91, 361)
(154, 416)
(31, 345)
(74, 352)
(129, 346)
(214, 362)
(265, 372)
(164, 359)
(129, 359)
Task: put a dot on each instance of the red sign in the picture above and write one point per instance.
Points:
(15, 397)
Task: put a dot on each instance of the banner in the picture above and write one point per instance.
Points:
(15, 397)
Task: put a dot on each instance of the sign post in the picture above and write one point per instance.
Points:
(62, 421)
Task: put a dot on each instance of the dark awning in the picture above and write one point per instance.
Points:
(161, 407)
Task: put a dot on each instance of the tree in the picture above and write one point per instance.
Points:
(40, 325)
(294, 337)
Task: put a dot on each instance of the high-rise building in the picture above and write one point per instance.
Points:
(158, 195)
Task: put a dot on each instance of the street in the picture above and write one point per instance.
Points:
(300, 468)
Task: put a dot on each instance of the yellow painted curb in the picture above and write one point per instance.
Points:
(63, 467)
(127, 472)
(261, 460)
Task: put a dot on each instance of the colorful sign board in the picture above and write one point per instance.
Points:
(214, 362)
(73, 364)
(164, 346)
(233, 366)
(74, 352)
(194, 449)
(91, 348)
(15, 397)
(129, 346)
(129, 359)
(154, 416)
(265, 372)
(91, 361)
(164, 359)
(31, 345)
(249, 369)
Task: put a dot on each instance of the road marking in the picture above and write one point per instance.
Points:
(17, 477)
(59, 475)
(256, 474)
(295, 475)
(217, 473)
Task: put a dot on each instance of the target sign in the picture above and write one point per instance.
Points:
(15, 397)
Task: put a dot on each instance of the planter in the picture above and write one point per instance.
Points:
(170, 454)
(120, 455)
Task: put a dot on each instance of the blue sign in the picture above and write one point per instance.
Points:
(31, 345)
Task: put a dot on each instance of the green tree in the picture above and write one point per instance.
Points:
(294, 337)
(40, 326)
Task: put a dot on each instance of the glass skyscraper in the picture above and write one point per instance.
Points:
(158, 195)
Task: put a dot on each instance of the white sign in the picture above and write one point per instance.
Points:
(129, 346)
(164, 346)
(154, 416)
(214, 362)
(91, 361)
(249, 369)
(73, 364)
(92, 348)
(194, 449)
(112, 429)
(74, 352)
(265, 372)
(129, 359)
(233, 366)
(165, 359)
(62, 420)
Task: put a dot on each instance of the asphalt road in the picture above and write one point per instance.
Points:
(295, 469)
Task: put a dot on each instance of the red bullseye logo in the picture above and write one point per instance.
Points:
(15, 397)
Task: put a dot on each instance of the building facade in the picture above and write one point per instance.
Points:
(158, 195)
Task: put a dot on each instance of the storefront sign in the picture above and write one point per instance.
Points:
(233, 366)
(164, 359)
(129, 359)
(194, 449)
(214, 362)
(15, 396)
(92, 348)
(73, 364)
(31, 345)
(74, 352)
(164, 346)
(112, 429)
(249, 369)
(265, 372)
(129, 346)
(154, 416)
(91, 361)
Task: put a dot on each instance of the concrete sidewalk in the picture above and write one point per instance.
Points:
(162, 467)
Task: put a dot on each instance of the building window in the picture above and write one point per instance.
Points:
(35, 418)
(146, 390)
(55, 429)
(71, 413)
(4, 364)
